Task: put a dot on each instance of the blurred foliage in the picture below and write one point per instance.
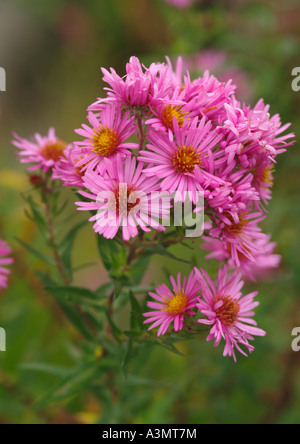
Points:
(52, 52)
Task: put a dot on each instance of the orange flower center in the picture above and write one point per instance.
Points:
(177, 305)
(236, 228)
(126, 198)
(242, 257)
(105, 142)
(185, 159)
(53, 150)
(168, 114)
(229, 312)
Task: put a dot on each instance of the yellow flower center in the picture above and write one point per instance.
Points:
(266, 175)
(168, 114)
(53, 150)
(185, 159)
(105, 142)
(177, 305)
(79, 169)
(229, 312)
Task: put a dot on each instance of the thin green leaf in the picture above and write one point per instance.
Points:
(67, 244)
(37, 253)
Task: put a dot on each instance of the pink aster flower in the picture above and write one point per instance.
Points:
(239, 235)
(228, 312)
(209, 95)
(263, 178)
(264, 258)
(250, 133)
(140, 87)
(175, 162)
(67, 171)
(124, 198)
(234, 196)
(173, 305)
(169, 109)
(43, 152)
(4, 261)
(107, 137)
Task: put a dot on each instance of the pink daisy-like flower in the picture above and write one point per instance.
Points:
(209, 95)
(43, 152)
(228, 312)
(124, 198)
(166, 110)
(106, 138)
(140, 87)
(173, 305)
(240, 234)
(234, 196)
(250, 133)
(264, 258)
(175, 162)
(67, 171)
(263, 178)
(5, 251)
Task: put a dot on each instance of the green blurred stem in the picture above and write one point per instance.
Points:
(133, 254)
(142, 135)
(53, 244)
(47, 193)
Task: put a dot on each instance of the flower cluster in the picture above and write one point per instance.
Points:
(222, 307)
(158, 133)
(5, 260)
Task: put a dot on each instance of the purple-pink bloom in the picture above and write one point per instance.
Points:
(106, 137)
(140, 87)
(5, 251)
(264, 258)
(172, 305)
(66, 169)
(228, 312)
(43, 151)
(249, 133)
(124, 198)
(175, 162)
(239, 233)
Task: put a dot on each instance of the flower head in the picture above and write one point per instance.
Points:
(264, 257)
(4, 261)
(43, 152)
(66, 169)
(124, 198)
(173, 305)
(228, 312)
(107, 137)
(239, 234)
(141, 87)
(175, 162)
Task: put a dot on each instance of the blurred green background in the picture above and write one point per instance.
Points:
(52, 52)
